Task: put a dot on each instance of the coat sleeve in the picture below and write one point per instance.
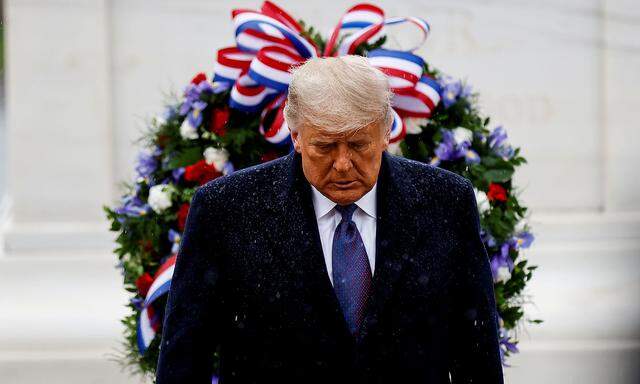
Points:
(190, 331)
(475, 354)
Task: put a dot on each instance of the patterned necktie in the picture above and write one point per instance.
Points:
(351, 269)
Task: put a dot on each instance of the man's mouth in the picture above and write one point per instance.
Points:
(345, 184)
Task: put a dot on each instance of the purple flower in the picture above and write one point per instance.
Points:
(147, 162)
(137, 302)
(192, 94)
(522, 240)
(195, 117)
(501, 264)
(452, 89)
(466, 91)
(174, 239)
(447, 149)
(497, 141)
(505, 151)
(471, 157)
(505, 345)
(487, 238)
(497, 137)
(176, 174)
(450, 94)
(132, 206)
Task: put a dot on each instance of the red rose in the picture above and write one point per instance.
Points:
(182, 216)
(271, 155)
(201, 172)
(219, 118)
(199, 78)
(496, 192)
(144, 283)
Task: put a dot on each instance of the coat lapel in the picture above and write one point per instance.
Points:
(396, 228)
(299, 239)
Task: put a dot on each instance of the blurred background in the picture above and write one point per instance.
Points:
(81, 77)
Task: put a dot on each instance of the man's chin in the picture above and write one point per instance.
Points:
(345, 196)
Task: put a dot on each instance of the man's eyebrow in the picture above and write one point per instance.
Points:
(322, 141)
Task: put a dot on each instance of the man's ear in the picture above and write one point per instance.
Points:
(295, 137)
(387, 137)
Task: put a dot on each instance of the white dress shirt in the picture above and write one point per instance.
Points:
(328, 219)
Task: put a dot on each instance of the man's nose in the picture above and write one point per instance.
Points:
(342, 163)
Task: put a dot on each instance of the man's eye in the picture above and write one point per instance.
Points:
(323, 147)
(358, 146)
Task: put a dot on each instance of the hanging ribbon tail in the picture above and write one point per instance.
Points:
(364, 21)
(272, 123)
(148, 322)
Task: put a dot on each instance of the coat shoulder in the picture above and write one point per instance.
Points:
(254, 181)
(429, 178)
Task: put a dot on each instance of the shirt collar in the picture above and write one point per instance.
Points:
(323, 204)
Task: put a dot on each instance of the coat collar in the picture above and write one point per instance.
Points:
(396, 228)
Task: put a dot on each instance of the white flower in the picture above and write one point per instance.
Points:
(503, 274)
(413, 124)
(462, 134)
(216, 156)
(160, 197)
(394, 149)
(481, 200)
(188, 131)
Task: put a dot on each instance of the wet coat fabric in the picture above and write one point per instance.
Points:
(250, 282)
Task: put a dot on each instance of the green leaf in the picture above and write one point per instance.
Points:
(188, 157)
(498, 175)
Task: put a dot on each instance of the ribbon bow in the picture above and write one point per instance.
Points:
(269, 42)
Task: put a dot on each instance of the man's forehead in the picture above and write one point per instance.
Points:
(323, 134)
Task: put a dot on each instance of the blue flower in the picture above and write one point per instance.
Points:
(487, 238)
(174, 239)
(522, 240)
(450, 94)
(497, 141)
(147, 162)
(132, 206)
(176, 174)
(452, 148)
(452, 89)
(501, 264)
(195, 117)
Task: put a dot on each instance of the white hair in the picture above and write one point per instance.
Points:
(338, 95)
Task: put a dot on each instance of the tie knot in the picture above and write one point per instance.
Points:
(346, 211)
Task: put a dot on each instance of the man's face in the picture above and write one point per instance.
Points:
(343, 167)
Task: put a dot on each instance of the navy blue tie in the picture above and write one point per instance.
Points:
(351, 269)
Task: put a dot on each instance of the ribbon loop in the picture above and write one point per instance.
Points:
(270, 41)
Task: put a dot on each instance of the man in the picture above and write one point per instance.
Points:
(338, 263)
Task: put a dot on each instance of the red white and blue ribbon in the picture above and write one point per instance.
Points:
(269, 42)
(149, 323)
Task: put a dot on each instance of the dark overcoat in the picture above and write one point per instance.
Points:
(250, 279)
